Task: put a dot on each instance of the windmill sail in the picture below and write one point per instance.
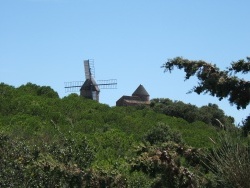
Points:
(107, 84)
(89, 69)
(73, 86)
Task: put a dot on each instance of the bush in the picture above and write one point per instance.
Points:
(164, 165)
(56, 164)
(162, 133)
(33, 89)
(191, 113)
(229, 160)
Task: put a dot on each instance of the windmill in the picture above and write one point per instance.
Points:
(90, 88)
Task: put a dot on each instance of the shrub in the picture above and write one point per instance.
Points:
(229, 160)
(163, 164)
(57, 164)
(162, 133)
(246, 126)
(33, 89)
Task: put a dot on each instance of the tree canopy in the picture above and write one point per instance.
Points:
(218, 83)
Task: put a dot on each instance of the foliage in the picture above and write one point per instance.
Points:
(162, 133)
(46, 165)
(246, 126)
(170, 162)
(229, 160)
(62, 164)
(191, 113)
(34, 89)
(7, 93)
(46, 141)
(212, 80)
(166, 164)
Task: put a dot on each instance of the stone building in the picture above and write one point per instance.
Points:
(139, 97)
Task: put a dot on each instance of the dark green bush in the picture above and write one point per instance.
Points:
(162, 133)
(33, 89)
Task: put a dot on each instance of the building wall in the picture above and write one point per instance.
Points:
(143, 97)
(131, 101)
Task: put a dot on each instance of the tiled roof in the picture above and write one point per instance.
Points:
(140, 91)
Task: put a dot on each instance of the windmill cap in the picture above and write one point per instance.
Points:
(140, 91)
(90, 84)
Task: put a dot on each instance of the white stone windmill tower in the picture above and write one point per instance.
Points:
(90, 88)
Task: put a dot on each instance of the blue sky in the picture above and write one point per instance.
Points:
(46, 41)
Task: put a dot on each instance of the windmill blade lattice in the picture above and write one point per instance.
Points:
(107, 84)
(73, 86)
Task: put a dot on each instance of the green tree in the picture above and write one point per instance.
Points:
(218, 83)
(246, 126)
(209, 114)
(33, 89)
(7, 94)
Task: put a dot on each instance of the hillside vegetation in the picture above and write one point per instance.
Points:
(46, 141)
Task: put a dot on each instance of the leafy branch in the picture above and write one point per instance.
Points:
(212, 80)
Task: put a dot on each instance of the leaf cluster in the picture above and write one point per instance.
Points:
(212, 80)
(168, 160)
(208, 114)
